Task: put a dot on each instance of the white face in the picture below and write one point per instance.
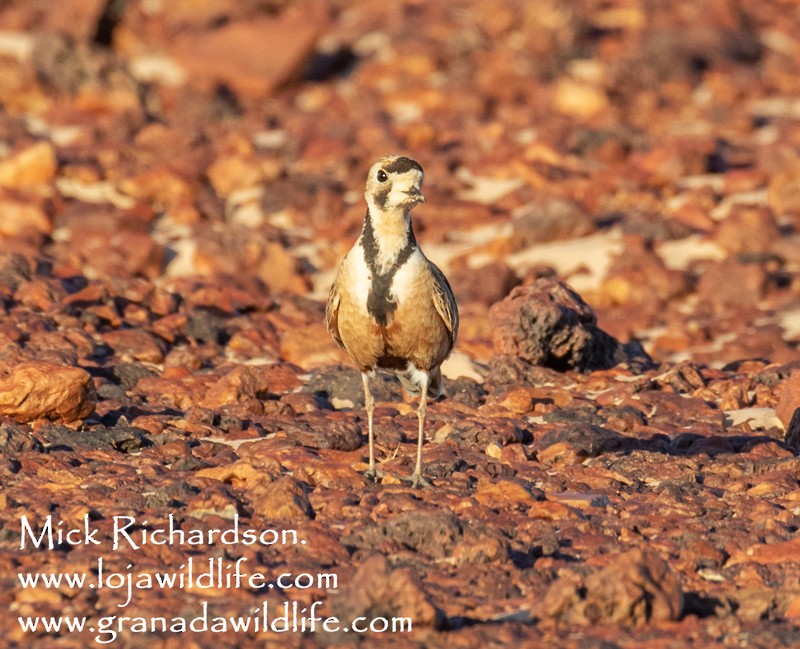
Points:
(394, 183)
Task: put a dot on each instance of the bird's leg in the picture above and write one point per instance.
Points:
(416, 478)
(369, 403)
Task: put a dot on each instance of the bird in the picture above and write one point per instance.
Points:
(390, 308)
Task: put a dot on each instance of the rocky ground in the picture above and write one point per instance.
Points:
(614, 191)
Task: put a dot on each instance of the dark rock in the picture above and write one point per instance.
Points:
(345, 383)
(464, 390)
(14, 269)
(583, 415)
(17, 438)
(110, 391)
(587, 440)
(432, 533)
(507, 371)
(549, 324)
(316, 430)
(206, 326)
(129, 438)
(129, 374)
(792, 437)
(122, 438)
(480, 432)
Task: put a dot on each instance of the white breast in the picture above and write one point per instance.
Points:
(357, 276)
(406, 281)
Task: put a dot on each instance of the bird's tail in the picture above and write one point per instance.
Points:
(411, 381)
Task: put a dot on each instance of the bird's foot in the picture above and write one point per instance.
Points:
(416, 480)
(373, 473)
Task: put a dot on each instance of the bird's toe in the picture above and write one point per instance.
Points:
(417, 481)
(374, 474)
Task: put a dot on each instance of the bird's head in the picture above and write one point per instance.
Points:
(394, 183)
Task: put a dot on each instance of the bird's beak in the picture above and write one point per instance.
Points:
(416, 194)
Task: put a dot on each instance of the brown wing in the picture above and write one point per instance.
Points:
(445, 302)
(332, 313)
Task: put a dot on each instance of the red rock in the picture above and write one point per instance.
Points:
(635, 589)
(213, 501)
(22, 217)
(33, 167)
(578, 99)
(281, 500)
(243, 475)
(243, 385)
(395, 592)
(730, 284)
(748, 229)
(504, 493)
(552, 511)
(281, 270)
(783, 192)
(520, 400)
(792, 612)
(768, 553)
(134, 344)
(252, 58)
(38, 390)
(638, 276)
(234, 172)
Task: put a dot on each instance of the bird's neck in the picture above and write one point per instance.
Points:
(387, 237)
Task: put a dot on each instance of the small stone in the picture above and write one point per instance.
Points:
(783, 193)
(243, 385)
(638, 276)
(730, 284)
(134, 345)
(550, 218)
(34, 166)
(748, 229)
(504, 493)
(16, 438)
(213, 502)
(38, 390)
(519, 400)
(22, 217)
(579, 99)
(242, 474)
(281, 500)
(375, 586)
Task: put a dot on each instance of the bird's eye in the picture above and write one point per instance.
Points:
(382, 177)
